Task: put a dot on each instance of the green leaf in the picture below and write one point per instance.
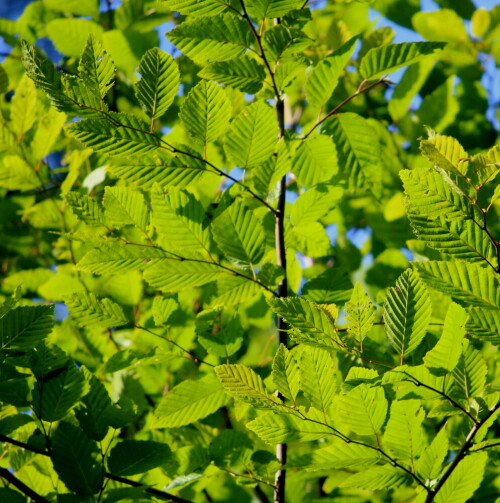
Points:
(410, 84)
(219, 336)
(445, 152)
(70, 34)
(286, 373)
(96, 68)
(206, 112)
(179, 219)
(25, 327)
(77, 466)
(363, 410)
(315, 203)
(277, 428)
(23, 111)
(190, 401)
(324, 78)
(358, 149)
(407, 313)
(239, 233)
(469, 374)
(113, 258)
(243, 73)
(197, 7)
(315, 161)
(125, 206)
(360, 314)
(313, 325)
(379, 477)
(233, 290)
(87, 311)
(432, 195)
(46, 359)
(389, 58)
(159, 82)
(262, 9)
(58, 393)
(445, 354)
(252, 136)
(175, 275)
(464, 480)
(121, 135)
(282, 43)
(444, 25)
(404, 434)
(332, 286)
(244, 384)
(484, 323)
(318, 379)
(166, 170)
(85, 208)
(216, 38)
(130, 457)
(79, 7)
(91, 415)
(429, 465)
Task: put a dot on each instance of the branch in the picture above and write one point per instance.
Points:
(11, 479)
(133, 483)
(359, 91)
(462, 453)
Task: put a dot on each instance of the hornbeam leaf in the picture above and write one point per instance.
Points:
(179, 219)
(190, 401)
(363, 410)
(262, 9)
(464, 480)
(469, 374)
(233, 290)
(23, 112)
(445, 354)
(245, 384)
(389, 58)
(77, 467)
(239, 233)
(378, 477)
(286, 373)
(358, 149)
(404, 433)
(206, 112)
(445, 152)
(484, 323)
(243, 73)
(130, 457)
(318, 378)
(312, 324)
(87, 310)
(121, 135)
(198, 7)
(316, 202)
(57, 394)
(175, 275)
(96, 68)
(315, 161)
(430, 462)
(125, 206)
(159, 82)
(277, 428)
(407, 312)
(325, 76)
(165, 169)
(25, 327)
(360, 313)
(253, 135)
(114, 258)
(209, 39)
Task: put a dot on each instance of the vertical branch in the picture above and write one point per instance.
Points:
(281, 449)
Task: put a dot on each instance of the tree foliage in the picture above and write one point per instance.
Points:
(253, 268)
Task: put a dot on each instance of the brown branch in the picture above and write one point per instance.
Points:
(359, 91)
(12, 479)
(461, 454)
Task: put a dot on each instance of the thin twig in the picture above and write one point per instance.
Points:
(13, 480)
